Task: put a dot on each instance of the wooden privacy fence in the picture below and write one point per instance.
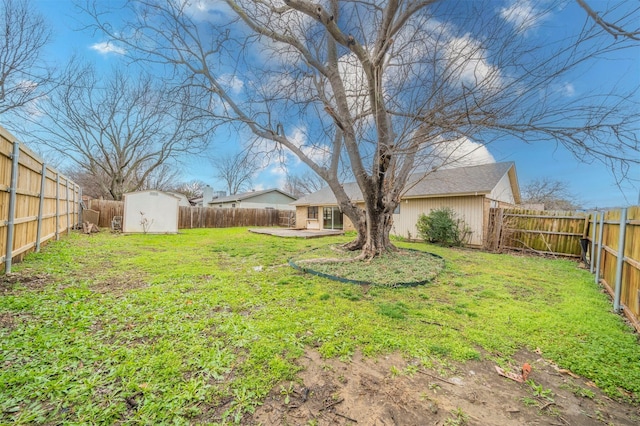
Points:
(614, 253)
(208, 217)
(200, 217)
(608, 241)
(107, 210)
(543, 232)
(36, 202)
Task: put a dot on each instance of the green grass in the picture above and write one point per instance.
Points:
(186, 329)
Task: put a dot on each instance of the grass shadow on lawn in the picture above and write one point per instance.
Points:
(214, 319)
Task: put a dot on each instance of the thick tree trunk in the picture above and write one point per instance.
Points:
(373, 226)
(377, 238)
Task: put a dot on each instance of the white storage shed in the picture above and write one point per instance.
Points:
(151, 212)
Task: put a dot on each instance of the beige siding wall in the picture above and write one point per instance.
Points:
(469, 208)
(502, 191)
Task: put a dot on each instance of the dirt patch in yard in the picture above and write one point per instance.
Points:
(391, 391)
(118, 285)
(10, 282)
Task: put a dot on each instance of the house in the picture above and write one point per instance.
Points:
(470, 191)
(153, 212)
(183, 201)
(208, 195)
(267, 199)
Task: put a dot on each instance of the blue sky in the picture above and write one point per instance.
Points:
(593, 184)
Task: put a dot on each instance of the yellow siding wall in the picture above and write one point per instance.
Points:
(469, 208)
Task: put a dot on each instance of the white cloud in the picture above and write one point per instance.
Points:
(458, 153)
(232, 82)
(467, 60)
(206, 10)
(567, 89)
(523, 15)
(317, 153)
(106, 47)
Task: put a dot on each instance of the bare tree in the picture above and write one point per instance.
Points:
(24, 34)
(236, 171)
(387, 88)
(192, 189)
(122, 130)
(554, 194)
(303, 184)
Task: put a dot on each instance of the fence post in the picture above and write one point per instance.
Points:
(57, 205)
(67, 203)
(600, 236)
(79, 206)
(43, 181)
(594, 215)
(12, 206)
(620, 261)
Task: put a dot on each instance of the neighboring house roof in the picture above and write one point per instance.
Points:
(459, 181)
(247, 196)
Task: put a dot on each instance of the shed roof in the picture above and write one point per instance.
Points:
(146, 191)
(477, 180)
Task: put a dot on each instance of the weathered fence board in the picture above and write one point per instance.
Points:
(107, 209)
(36, 202)
(546, 232)
(197, 217)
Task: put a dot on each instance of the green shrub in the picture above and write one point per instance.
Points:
(442, 226)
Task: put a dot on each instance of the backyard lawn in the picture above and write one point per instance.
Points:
(205, 326)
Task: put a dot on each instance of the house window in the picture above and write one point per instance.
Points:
(397, 210)
(312, 212)
(233, 205)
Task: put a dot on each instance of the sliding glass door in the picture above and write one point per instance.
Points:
(332, 218)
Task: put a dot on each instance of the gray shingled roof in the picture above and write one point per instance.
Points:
(457, 181)
(247, 195)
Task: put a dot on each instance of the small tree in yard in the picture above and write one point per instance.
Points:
(442, 226)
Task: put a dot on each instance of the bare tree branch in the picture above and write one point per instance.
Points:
(236, 171)
(122, 130)
(24, 77)
(610, 27)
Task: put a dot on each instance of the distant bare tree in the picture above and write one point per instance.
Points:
(306, 183)
(387, 88)
(123, 130)
(554, 194)
(236, 171)
(192, 188)
(162, 178)
(96, 184)
(24, 75)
